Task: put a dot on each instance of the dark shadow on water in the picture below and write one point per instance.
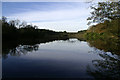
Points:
(107, 45)
(23, 46)
(108, 67)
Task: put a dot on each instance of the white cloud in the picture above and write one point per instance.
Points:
(47, 0)
(63, 26)
(58, 0)
(51, 15)
(71, 20)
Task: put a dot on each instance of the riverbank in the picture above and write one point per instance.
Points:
(104, 36)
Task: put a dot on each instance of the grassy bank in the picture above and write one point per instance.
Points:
(79, 35)
(104, 36)
(108, 29)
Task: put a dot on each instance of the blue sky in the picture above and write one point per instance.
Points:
(58, 16)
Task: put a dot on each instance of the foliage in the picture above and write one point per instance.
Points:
(104, 30)
(104, 11)
(80, 35)
(15, 29)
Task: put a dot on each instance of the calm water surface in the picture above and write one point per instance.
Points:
(60, 59)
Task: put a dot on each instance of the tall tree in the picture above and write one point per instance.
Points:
(104, 11)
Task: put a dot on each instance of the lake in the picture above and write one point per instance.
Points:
(69, 58)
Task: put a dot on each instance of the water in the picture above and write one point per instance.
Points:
(60, 59)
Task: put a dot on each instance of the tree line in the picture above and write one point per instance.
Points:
(107, 17)
(15, 29)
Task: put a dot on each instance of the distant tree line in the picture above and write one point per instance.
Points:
(15, 29)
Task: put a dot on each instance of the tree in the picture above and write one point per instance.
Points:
(104, 11)
(17, 23)
(23, 24)
(36, 27)
(12, 23)
(4, 19)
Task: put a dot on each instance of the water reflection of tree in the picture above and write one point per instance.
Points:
(0, 55)
(21, 49)
(106, 67)
(108, 45)
(22, 46)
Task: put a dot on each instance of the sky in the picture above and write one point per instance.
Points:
(57, 16)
